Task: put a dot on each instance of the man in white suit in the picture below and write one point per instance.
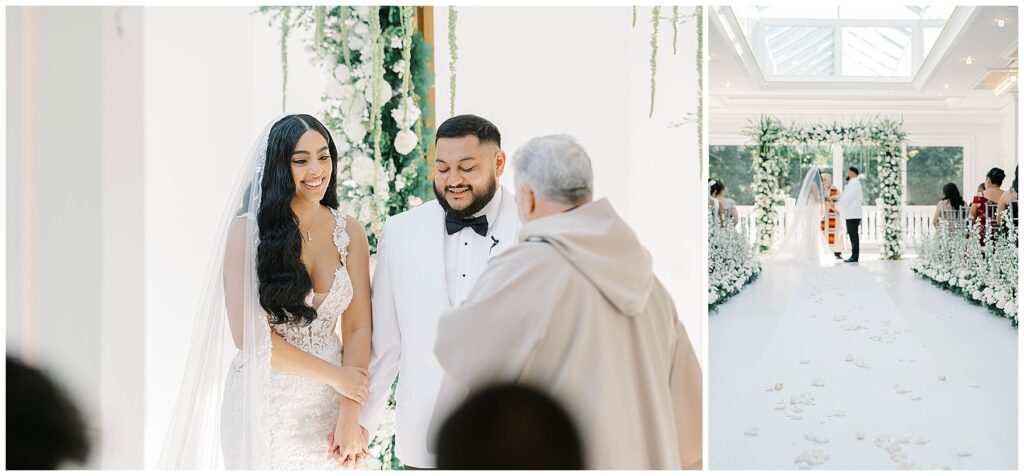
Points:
(428, 259)
(849, 207)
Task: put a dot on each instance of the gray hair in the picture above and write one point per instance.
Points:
(555, 167)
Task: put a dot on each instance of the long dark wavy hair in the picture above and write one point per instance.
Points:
(952, 193)
(284, 281)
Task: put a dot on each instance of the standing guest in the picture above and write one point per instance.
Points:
(1009, 200)
(728, 205)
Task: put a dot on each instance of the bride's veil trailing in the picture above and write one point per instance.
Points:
(803, 241)
(229, 325)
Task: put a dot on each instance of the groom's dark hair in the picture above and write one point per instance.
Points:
(469, 125)
(44, 427)
(855, 170)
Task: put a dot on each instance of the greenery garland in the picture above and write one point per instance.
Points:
(655, 16)
(698, 14)
(453, 51)
(675, 27)
(768, 134)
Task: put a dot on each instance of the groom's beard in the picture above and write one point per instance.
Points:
(480, 200)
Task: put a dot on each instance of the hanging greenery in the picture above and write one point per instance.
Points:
(453, 52)
(698, 15)
(655, 13)
(675, 28)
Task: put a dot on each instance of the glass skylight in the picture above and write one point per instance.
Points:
(820, 42)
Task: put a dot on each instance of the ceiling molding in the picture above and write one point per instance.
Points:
(954, 28)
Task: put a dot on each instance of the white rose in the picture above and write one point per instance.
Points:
(406, 113)
(399, 67)
(341, 144)
(330, 61)
(1011, 308)
(399, 183)
(396, 42)
(362, 12)
(355, 43)
(364, 171)
(377, 228)
(405, 141)
(342, 74)
(355, 130)
(365, 214)
(976, 295)
(415, 201)
(384, 93)
(1001, 304)
(952, 281)
(362, 29)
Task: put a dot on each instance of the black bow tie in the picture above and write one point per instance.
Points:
(456, 224)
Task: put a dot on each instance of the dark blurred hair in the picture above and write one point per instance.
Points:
(996, 175)
(1014, 185)
(469, 125)
(952, 193)
(44, 428)
(855, 170)
(284, 281)
(509, 427)
(716, 187)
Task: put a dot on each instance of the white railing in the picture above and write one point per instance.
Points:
(917, 223)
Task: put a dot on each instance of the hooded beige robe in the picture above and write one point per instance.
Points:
(575, 309)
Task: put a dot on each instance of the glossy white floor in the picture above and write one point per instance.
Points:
(877, 369)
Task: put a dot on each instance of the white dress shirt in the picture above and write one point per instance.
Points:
(466, 253)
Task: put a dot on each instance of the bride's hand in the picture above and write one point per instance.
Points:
(352, 383)
(351, 449)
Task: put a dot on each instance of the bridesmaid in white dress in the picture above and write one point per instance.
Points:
(293, 265)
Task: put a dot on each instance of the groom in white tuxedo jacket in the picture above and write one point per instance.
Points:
(849, 206)
(428, 259)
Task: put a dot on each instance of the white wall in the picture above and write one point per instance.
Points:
(585, 71)
(210, 89)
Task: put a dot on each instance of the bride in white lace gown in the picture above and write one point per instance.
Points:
(290, 267)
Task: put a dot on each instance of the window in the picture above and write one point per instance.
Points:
(733, 165)
(930, 169)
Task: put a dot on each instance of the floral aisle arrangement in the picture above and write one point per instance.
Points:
(732, 264)
(954, 259)
(887, 135)
(375, 105)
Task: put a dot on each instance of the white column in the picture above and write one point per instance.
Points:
(122, 263)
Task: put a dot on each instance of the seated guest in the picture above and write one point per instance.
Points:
(951, 200)
(714, 204)
(992, 194)
(509, 427)
(1009, 198)
(728, 206)
(44, 429)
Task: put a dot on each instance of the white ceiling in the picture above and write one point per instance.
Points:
(944, 80)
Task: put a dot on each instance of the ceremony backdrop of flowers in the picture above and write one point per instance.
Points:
(768, 134)
(732, 263)
(375, 106)
(954, 259)
(375, 103)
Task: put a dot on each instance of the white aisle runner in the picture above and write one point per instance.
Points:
(927, 380)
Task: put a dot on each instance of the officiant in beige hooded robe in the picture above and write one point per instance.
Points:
(574, 309)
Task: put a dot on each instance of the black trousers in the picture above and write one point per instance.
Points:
(853, 229)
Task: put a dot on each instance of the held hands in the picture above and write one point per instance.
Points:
(352, 383)
(352, 451)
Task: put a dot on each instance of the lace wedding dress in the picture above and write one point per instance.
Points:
(302, 411)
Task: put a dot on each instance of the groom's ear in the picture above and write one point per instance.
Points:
(499, 163)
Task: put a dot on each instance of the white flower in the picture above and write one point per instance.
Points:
(384, 92)
(355, 43)
(335, 89)
(415, 201)
(377, 227)
(363, 30)
(976, 295)
(342, 73)
(355, 129)
(341, 144)
(364, 171)
(362, 12)
(399, 67)
(406, 113)
(396, 41)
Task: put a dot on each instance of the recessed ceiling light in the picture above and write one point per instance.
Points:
(728, 84)
(1005, 85)
(945, 86)
(968, 59)
(1000, 22)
